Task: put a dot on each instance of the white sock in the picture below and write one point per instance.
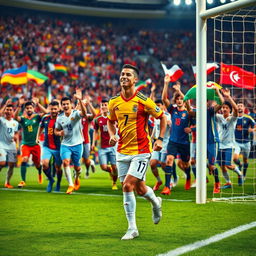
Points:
(68, 176)
(150, 196)
(226, 176)
(130, 208)
(236, 170)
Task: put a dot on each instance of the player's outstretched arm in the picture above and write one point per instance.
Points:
(165, 98)
(218, 106)
(90, 107)
(37, 103)
(159, 142)
(17, 111)
(152, 95)
(177, 89)
(226, 93)
(79, 97)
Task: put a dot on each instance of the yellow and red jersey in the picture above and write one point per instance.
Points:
(132, 119)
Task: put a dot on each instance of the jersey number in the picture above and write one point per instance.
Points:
(30, 128)
(142, 166)
(126, 119)
(177, 121)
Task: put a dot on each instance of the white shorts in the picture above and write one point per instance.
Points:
(243, 148)
(7, 155)
(134, 165)
(159, 156)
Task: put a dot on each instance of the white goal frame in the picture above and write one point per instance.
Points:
(201, 78)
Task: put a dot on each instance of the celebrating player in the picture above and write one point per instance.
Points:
(244, 126)
(8, 131)
(68, 125)
(51, 145)
(131, 111)
(107, 153)
(30, 122)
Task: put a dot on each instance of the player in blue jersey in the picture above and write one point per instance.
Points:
(244, 127)
(68, 125)
(179, 136)
(51, 145)
(226, 127)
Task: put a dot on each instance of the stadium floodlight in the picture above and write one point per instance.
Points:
(222, 1)
(210, 1)
(176, 2)
(188, 2)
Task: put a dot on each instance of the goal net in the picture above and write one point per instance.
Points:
(234, 49)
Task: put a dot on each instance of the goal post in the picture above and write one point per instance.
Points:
(201, 100)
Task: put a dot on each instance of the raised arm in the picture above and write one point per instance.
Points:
(226, 94)
(165, 98)
(218, 107)
(90, 106)
(37, 103)
(152, 95)
(79, 96)
(17, 111)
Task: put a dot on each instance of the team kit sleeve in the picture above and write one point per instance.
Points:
(57, 124)
(111, 112)
(152, 108)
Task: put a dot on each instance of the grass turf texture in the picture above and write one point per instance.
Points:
(56, 224)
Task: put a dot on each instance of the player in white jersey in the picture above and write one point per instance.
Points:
(8, 130)
(159, 157)
(226, 127)
(68, 125)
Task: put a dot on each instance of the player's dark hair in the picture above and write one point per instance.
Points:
(54, 103)
(65, 99)
(228, 104)
(240, 102)
(136, 70)
(29, 103)
(158, 101)
(104, 100)
(9, 106)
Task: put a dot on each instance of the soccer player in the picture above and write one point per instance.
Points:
(107, 153)
(244, 126)
(68, 125)
(131, 111)
(159, 157)
(51, 146)
(30, 122)
(179, 139)
(8, 131)
(86, 120)
(226, 127)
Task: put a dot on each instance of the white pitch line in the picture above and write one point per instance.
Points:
(86, 194)
(213, 239)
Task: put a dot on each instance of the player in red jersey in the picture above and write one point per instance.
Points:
(107, 153)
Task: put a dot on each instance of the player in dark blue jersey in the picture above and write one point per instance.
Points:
(179, 136)
(245, 125)
(51, 145)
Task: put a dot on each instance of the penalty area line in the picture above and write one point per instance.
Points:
(85, 194)
(213, 239)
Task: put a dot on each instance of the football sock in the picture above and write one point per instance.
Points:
(236, 170)
(59, 176)
(109, 169)
(68, 176)
(39, 169)
(226, 176)
(237, 162)
(216, 175)
(168, 173)
(9, 174)
(158, 178)
(23, 170)
(174, 173)
(187, 171)
(150, 196)
(130, 208)
(245, 169)
(53, 169)
(194, 169)
(47, 172)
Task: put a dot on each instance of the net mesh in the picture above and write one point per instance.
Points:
(234, 37)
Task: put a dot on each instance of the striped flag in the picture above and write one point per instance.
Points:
(37, 77)
(57, 67)
(210, 67)
(74, 76)
(174, 72)
(142, 84)
(15, 76)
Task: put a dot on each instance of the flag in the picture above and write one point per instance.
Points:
(211, 94)
(82, 64)
(236, 76)
(210, 67)
(15, 76)
(142, 84)
(57, 67)
(74, 76)
(174, 72)
(36, 77)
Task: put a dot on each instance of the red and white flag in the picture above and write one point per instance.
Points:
(236, 76)
(210, 67)
(174, 72)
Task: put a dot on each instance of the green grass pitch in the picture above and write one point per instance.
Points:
(92, 221)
